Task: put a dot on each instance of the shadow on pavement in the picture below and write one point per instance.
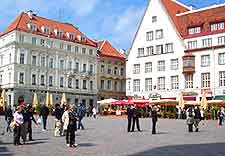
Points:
(86, 145)
(4, 150)
(35, 143)
(214, 149)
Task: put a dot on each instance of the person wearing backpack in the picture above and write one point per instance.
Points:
(190, 119)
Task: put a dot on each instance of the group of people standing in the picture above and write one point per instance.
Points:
(133, 115)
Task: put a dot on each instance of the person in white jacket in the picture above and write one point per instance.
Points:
(18, 119)
(65, 120)
(94, 112)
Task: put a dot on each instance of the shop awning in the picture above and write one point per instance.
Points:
(219, 97)
(189, 98)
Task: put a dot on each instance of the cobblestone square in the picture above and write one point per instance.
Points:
(108, 137)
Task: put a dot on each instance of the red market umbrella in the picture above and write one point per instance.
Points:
(119, 102)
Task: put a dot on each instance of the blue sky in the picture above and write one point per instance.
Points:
(114, 20)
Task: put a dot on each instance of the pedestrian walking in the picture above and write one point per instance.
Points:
(24, 127)
(81, 113)
(197, 118)
(30, 119)
(129, 118)
(136, 115)
(44, 112)
(8, 118)
(58, 120)
(18, 121)
(221, 116)
(154, 119)
(65, 120)
(190, 119)
(70, 135)
(94, 112)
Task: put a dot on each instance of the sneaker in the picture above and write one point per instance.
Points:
(43, 130)
(68, 145)
(75, 145)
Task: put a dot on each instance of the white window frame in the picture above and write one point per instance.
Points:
(221, 40)
(148, 84)
(161, 83)
(136, 69)
(21, 77)
(175, 82)
(149, 36)
(136, 85)
(169, 48)
(194, 30)
(221, 58)
(159, 49)
(159, 34)
(148, 67)
(205, 60)
(174, 64)
(161, 65)
(222, 78)
(189, 81)
(207, 42)
(205, 80)
(192, 44)
(217, 26)
(141, 52)
(150, 50)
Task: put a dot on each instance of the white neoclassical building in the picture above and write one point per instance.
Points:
(41, 55)
(177, 49)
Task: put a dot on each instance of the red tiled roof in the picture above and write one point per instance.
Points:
(107, 50)
(202, 18)
(20, 23)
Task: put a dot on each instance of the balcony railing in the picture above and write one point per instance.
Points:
(189, 64)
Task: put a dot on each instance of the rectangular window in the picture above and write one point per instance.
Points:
(50, 81)
(43, 61)
(188, 81)
(161, 83)
(109, 84)
(21, 38)
(69, 47)
(33, 27)
(84, 84)
(159, 49)
(136, 69)
(61, 82)
(10, 58)
(84, 68)
(217, 26)
(174, 64)
(91, 69)
(194, 30)
(115, 70)
(192, 44)
(2, 58)
(136, 84)
(76, 67)
(221, 58)
(91, 85)
(205, 60)
(0, 79)
(42, 80)
(22, 58)
(21, 78)
(115, 86)
(34, 60)
(61, 64)
(77, 84)
(70, 82)
(221, 40)
(169, 48)
(159, 34)
(149, 36)
(148, 67)
(51, 63)
(59, 34)
(34, 40)
(148, 84)
(76, 49)
(207, 42)
(83, 50)
(174, 82)
(121, 72)
(205, 80)
(42, 42)
(102, 68)
(70, 65)
(154, 19)
(150, 51)
(222, 78)
(33, 79)
(161, 66)
(109, 69)
(61, 46)
(102, 84)
(141, 52)
(90, 51)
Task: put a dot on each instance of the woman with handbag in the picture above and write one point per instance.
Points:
(18, 121)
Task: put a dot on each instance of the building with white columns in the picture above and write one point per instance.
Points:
(178, 49)
(42, 55)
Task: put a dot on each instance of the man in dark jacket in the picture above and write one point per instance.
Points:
(44, 112)
(30, 119)
(8, 118)
(197, 118)
(129, 118)
(154, 119)
(81, 113)
(135, 119)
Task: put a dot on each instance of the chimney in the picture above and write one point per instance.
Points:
(192, 7)
(30, 13)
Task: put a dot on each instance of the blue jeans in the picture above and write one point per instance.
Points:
(8, 129)
(80, 124)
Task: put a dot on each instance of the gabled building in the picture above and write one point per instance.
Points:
(42, 55)
(111, 72)
(178, 49)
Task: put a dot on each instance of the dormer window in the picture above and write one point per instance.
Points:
(217, 26)
(45, 30)
(58, 33)
(154, 19)
(32, 27)
(83, 39)
(194, 30)
(70, 36)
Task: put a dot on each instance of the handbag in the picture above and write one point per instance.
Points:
(13, 124)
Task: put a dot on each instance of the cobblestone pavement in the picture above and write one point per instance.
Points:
(108, 137)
